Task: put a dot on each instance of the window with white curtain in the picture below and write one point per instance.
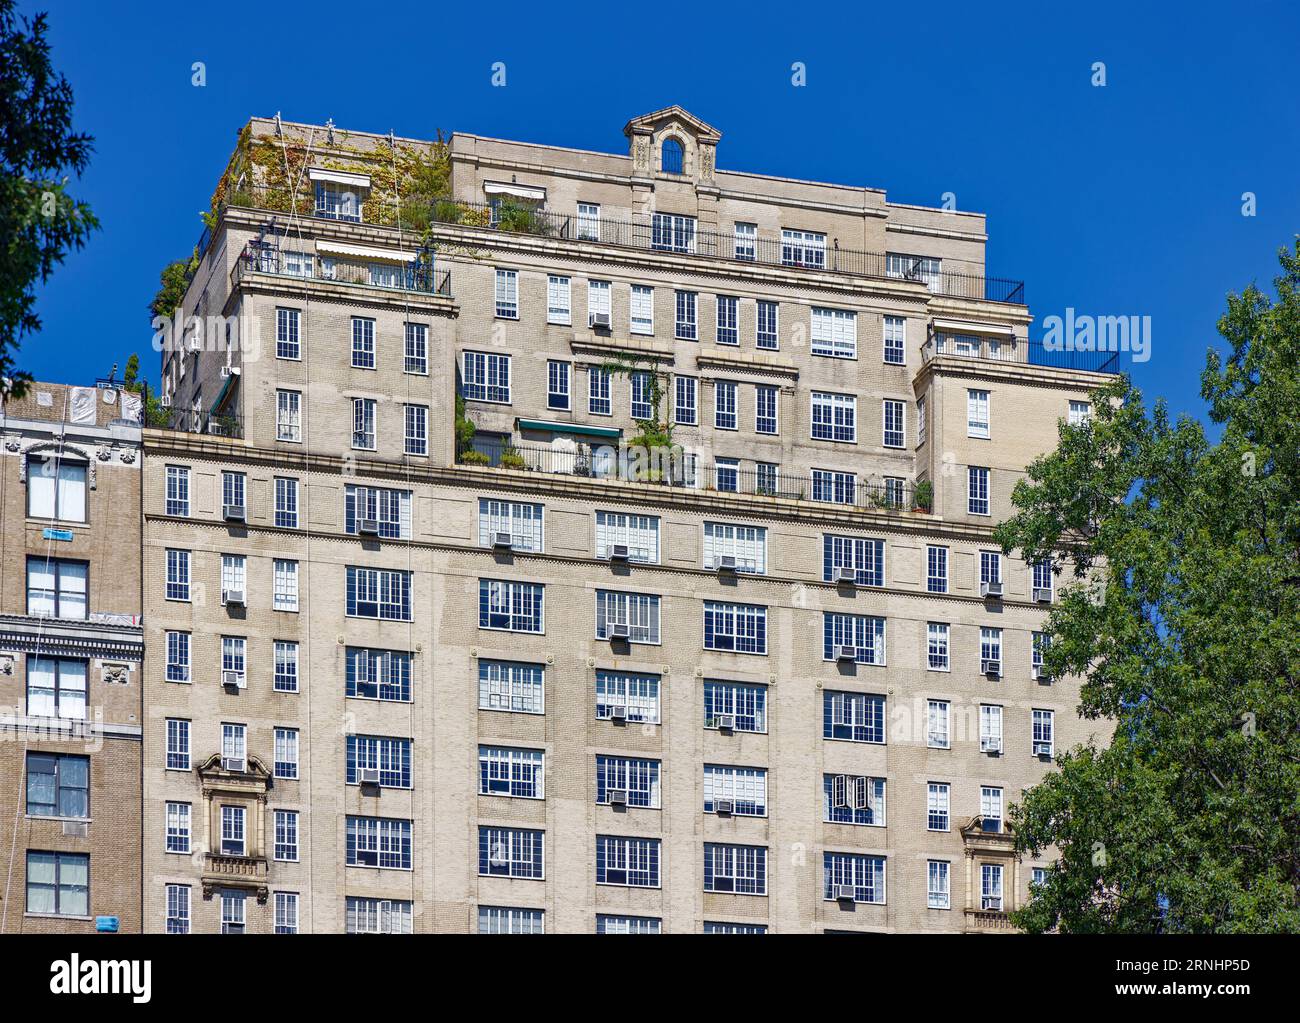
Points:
(635, 694)
(834, 333)
(511, 686)
(56, 588)
(977, 413)
(638, 611)
(747, 545)
(636, 777)
(56, 488)
(643, 309)
(388, 508)
(745, 788)
(990, 728)
(522, 520)
(56, 687)
(559, 300)
(286, 585)
(639, 533)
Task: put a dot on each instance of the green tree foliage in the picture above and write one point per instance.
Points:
(154, 413)
(39, 221)
(1189, 820)
(172, 282)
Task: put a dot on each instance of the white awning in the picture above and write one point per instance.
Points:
(339, 177)
(362, 252)
(520, 191)
(971, 327)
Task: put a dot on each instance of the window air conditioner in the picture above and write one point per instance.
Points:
(233, 597)
(1042, 749)
(598, 320)
(990, 589)
(368, 775)
(991, 745)
(846, 653)
(1042, 595)
(1040, 674)
(726, 563)
(233, 512)
(368, 527)
(846, 575)
(620, 630)
(618, 552)
(726, 722)
(502, 541)
(844, 893)
(235, 764)
(233, 679)
(991, 668)
(724, 806)
(618, 797)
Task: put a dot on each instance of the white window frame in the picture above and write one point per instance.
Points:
(507, 294)
(834, 333)
(559, 300)
(747, 545)
(639, 533)
(977, 413)
(641, 309)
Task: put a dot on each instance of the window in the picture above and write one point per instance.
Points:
(636, 778)
(487, 377)
(178, 490)
(513, 607)
(178, 744)
(977, 414)
(937, 646)
(920, 420)
(937, 806)
(745, 703)
(642, 309)
(745, 545)
(864, 874)
(56, 588)
(936, 569)
(914, 268)
(936, 733)
(286, 502)
(1080, 413)
(232, 912)
(58, 883)
(642, 402)
(286, 913)
(178, 657)
(635, 694)
(286, 666)
(685, 405)
(834, 487)
(977, 491)
(991, 887)
(285, 830)
(630, 862)
(503, 771)
(523, 521)
(853, 717)
(234, 659)
(990, 567)
(670, 233)
(738, 627)
(507, 294)
(1037, 877)
(639, 533)
(598, 400)
(363, 423)
(557, 384)
(287, 335)
(504, 920)
(383, 675)
(716, 927)
(990, 651)
(835, 333)
(233, 578)
(285, 574)
(559, 301)
(56, 489)
(383, 842)
(588, 222)
(511, 686)
(686, 322)
(638, 611)
(894, 434)
(991, 809)
(1037, 650)
(510, 852)
(391, 756)
(671, 156)
(766, 478)
(232, 490)
(416, 437)
(606, 924)
(728, 320)
(727, 475)
(765, 398)
(234, 744)
(178, 908)
(378, 916)
(1044, 732)
(741, 869)
(865, 558)
(746, 241)
(938, 895)
(834, 417)
(598, 300)
(58, 785)
(743, 789)
(894, 333)
(1042, 577)
(376, 593)
(990, 728)
(337, 202)
(864, 633)
(233, 830)
(56, 687)
(765, 335)
(417, 348)
(288, 416)
(389, 510)
(803, 248)
(286, 753)
(853, 799)
(363, 342)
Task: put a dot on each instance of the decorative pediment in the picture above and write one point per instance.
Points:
(686, 122)
(672, 141)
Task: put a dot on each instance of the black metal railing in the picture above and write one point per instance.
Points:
(1018, 350)
(196, 421)
(419, 275)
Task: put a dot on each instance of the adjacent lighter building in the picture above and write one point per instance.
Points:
(71, 648)
(429, 650)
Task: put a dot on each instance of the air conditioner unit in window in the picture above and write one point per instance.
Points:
(368, 775)
(846, 653)
(502, 541)
(235, 764)
(619, 552)
(618, 797)
(988, 745)
(232, 679)
(233, 512)
(726, 563)
(844, 893)
(368, 527)
(990, 589)
(1042, 749)
(726, 722)
(991, 668)
(233, 598)
(724, 806)
(844, 574)
(1042, 595)
(76, 829)
(620, 630)
(618, 712)
(598, 321)
(1041, 674)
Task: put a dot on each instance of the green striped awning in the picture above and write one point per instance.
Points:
(585, 431)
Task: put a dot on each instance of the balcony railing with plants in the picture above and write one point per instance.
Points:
(196, 421)
(1018, 350)
(419, 275)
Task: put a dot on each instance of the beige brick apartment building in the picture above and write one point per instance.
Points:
(71, 647)
(402, 678)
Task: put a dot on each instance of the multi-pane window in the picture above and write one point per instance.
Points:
(765, 406)
(363, 342)
(937, 887)
(286, 666)
(234, 660)
(833, 486)
(286, 753)
(505, 771)
(285, 577)
(178, 908)
(854, 717)
(588, 222)
(728, 320)
(990, 651)
(56, 687)
(746, 241)
(741, 791)
(991, 809)
(1042, 578)
(990, 728)
(991, 567)
(937, 724)
(388, 511)
(630, 862)
(914, 268)
(803, 248)
(511, 852)
(507, 294)
(178, 827)
(741, 869)
(288, 416)
(486, 377)
(738, 627)
(286, 913)
(599, 301)
(285, 828)
(1038, 648)
(920, 420)
(378, 593)
(416, 355)
(233, 487)
(642, 311)
(642, 399)
(608, 924)
(1044, 732)
(58, 883)
(178, 490)
(991, 886)
(977, 413)
(415, 437)
(936, 813)
(865, 875)
(178, 744)
(1037, 877)
(638, 533)
(632, 695)
(685, 401)
(894, 334)
(522, 520)
(853, 799)
(977, 490)
(234, 830)
(510, 920)
(724, 411)
(746, 546)
(727, 475)
(864, 633)
(286, 502)
(234, 585)
(56, 588)
(637, 779)
(936, 646)
(383, 842)
(598, 399)
(686, 322)
(56, 488)
(378, 916)
(511, 686)
(639, 612)
(178, 575)
(894, 431)
(766, 478)
(234, 745)
(558, 386)
(510, 606)
(392, 757)
(936, 569)
(765, 335)
(383, 675)
(363, 423)
(743, 705)
(559, 300)
(1080, 413)
(288, 344)
(58, 785)
(864, 557)
(672, 232)
(835, 333)
(725, 927)
(834, 416)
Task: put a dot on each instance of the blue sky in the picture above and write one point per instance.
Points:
(1117, 200)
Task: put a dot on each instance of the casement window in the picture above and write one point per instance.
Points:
(937, 732)
(286, 502)
(834, 487)
(288, 343)
(415, 437)
(977, 414)
(178, 657)
(178, 908)
(937, 887)
(638, 611)
(642, 310)
(416, 354)
(894, 343)
(835, 333)
(633, 694)
(234, 578)
(286, 666)
(285, 575)
(1044, 732)
(991, 887)
(745, 545)
(937, 646)
(639, 533)
(937, 816)
(894, 429)
(853, 799)
(741, 791)
(511, 852)
(767, 478)
(926, 269)
(990, 728)
(391, 756)
(990, 567)
(486, 377)
(599, 299)
(288, 416)
(234, 831)
(558, 385)
(990, 651)
(389, 510)
(685, 401)
(607, 924)
(1080, 413)
(977, 491)
(297, 264)
(58, 785)
(57, 588)
(1038, 648)
(285, 836)
(234, 659)
(178, 575)
(853, 717)
(686, 324)
(510, 920)
(522, 520)
(743, 705)
(741, 869)
(768, 315)
(598, 400)
(1043, 578)
(746, 242)
(991, 809)
(642, 402)
(834, 417)
(588, 222)
(673, 233)
(234, 744)
(510, 606)
(559, 300)
(920, 420)
(636, 778)
(765, 409)
(286, 913)
(741, 628)
(728, 320)
(505, 771)
(511, 686)
(378, 593)
(56, 488)
(803, 248)
(864, 557)
(178, 490)
(864, 874)
(507, 294)
(58, 883)
(337, 202)
(286, 753)
(56, 687)
(936, 569)
(723, 927)
(363, 342)
(233, 488)
(178, 824)
(726, 475)
(378, 916)
(178, 744)
(383, 675)
(864, 633)
(383, 842)
(628, 862)
(1037, 877)
(363, 423)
